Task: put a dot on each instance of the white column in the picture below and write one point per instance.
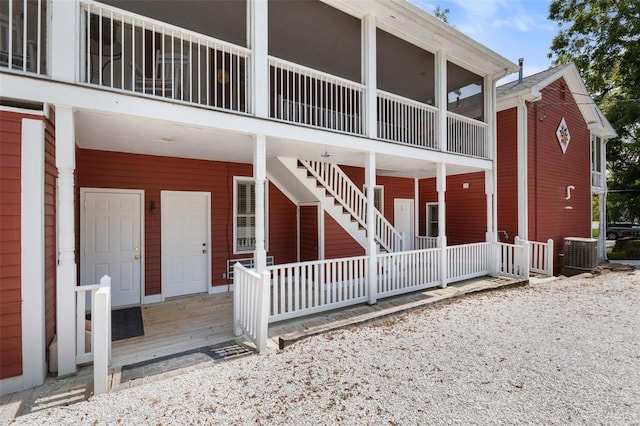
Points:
(370, 183)
(441, 187)
(369, 73)
(441, 96)
(491, 234)
(602, 202)
(66, 270)
(258, 28)
(64, 40)
(523, 189)
(34, 368)
(260, 177)
(416, 210)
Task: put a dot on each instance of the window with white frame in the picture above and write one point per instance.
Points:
(432, 219)
(244, 215)
(378, 197)
(596, 157)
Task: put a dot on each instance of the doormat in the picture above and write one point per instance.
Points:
(126, 323)
(217, 353)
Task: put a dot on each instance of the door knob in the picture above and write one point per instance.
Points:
(136, 257)
(204, 251)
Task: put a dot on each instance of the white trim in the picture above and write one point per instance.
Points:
(32, 288)
(83, 260)
(154, 298)
(163, 218)
(321, 253)
(25, 111)
(236, 180)
(217, 289)
(522, 163)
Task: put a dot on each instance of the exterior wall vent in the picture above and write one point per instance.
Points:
(581, 253)
(247, 263)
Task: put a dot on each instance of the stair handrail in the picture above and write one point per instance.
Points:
(353, 200)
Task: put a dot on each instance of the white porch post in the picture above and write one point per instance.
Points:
(441, 97)
(64, 40)
(66, 270)
(369, 73)
(602, 202)
(34, 368)
(491, 234)
(441, 187)
(258, 28)
(260, 177)
(370, 183)
(523, 189)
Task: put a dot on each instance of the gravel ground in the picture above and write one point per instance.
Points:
(560, 352)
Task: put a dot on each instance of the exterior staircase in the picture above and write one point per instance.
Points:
(343, 201)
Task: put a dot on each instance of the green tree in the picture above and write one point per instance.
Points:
(602, 37)
(442, 14)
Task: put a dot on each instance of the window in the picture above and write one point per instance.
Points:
(432, 219)
(378, 197)
(244, 215)
(596, 160)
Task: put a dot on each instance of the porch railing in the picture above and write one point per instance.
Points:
(354, 202)
(405, 120)
(305, 288)
(129, 52)
(23, 29)
(540, 256)
(512, 260)
(306, 96)
(98, 348)
(468, 261)
(467, 136)
(408, 271)
(251, 304)
(422, 242)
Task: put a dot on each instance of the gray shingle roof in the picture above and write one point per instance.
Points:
(527, 82)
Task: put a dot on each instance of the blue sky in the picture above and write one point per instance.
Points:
(513, 28)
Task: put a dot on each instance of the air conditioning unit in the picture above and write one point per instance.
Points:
(581, 253)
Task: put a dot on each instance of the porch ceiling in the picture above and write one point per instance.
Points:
(122, 133)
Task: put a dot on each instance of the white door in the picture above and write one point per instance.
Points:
(111, 234)
(403, 220)
(185, 236)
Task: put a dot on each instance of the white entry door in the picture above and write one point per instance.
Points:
(403, 220)
(111, 234)
(186, 256)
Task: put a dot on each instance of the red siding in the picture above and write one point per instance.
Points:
(466, 209)
(551, 171)
(507, 170)
(308, 233)
(100, 169)
(50, 256)
(337, 242)
(10, 278)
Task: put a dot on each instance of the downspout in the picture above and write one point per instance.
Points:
(522, 169)
(535, 168)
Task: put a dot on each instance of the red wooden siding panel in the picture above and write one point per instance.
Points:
(10, 276)
(337, 242)
(308, 233)
(100, 169)
(507, 170)
(551, 171)
(50, 256)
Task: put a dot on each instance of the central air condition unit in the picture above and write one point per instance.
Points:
(581, 253)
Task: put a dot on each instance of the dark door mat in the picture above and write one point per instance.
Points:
(217, 353)
(126, 323)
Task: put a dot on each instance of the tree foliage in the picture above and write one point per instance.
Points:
(602, 37)
(442, 14)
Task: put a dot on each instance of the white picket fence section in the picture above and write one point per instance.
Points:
(421, 242)
(512, 260)
(540, 256)
(305, 288)
(408, 271)
(98, 348)
(405, 120)
(354, 201)
(251, 305)
(468, 261)
(306, 96)
(467, 136)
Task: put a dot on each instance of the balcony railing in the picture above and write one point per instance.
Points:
(467, 136)
(305, 96)
(22, 36)
(407, 121)
(128, 52)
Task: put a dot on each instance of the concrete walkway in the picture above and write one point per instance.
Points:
(63, 391)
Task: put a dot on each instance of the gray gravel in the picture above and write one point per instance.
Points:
(560, 352)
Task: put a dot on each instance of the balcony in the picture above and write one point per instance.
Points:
(197, 61)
